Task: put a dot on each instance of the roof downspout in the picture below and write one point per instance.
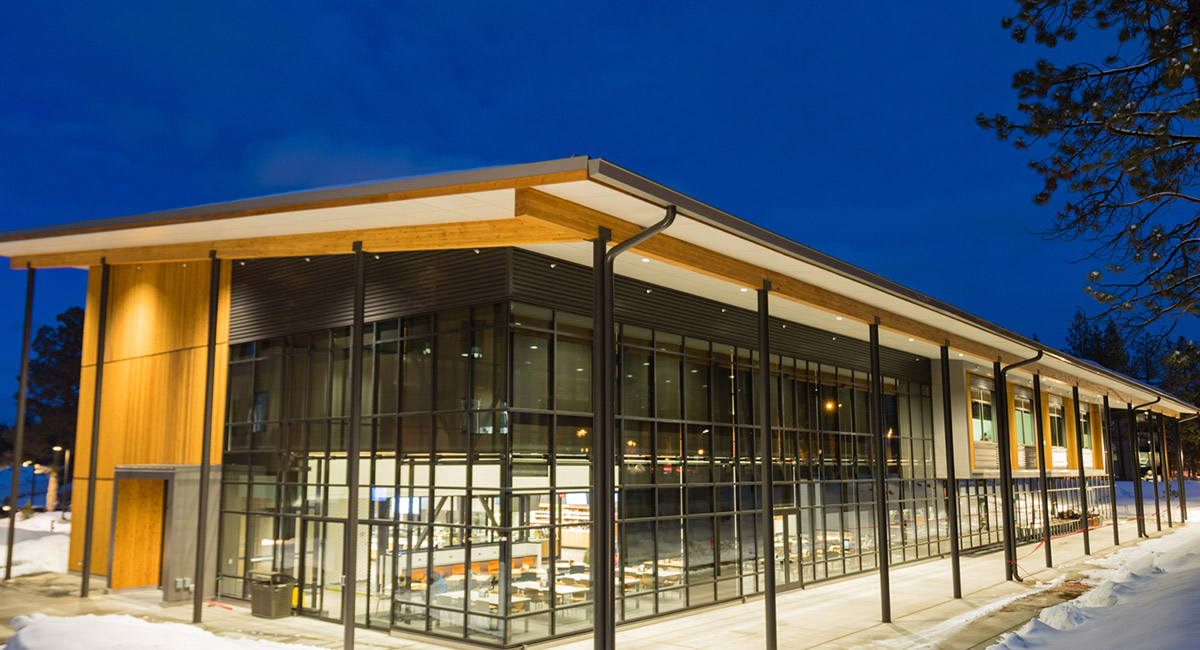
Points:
(1003, 436)
(604, 429)
(643, 235)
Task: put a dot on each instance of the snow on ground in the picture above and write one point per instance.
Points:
(42, 543)
(1146, 595)
(112, 632)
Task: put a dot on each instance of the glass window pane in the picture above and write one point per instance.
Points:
(531, 370)
(573, 375)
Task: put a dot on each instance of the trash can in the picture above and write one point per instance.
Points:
(271, 595)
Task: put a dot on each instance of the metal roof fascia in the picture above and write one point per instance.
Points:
(623, 179)
(196, 213)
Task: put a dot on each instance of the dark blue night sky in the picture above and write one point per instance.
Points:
(848, 127)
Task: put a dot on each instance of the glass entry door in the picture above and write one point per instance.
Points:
(790, 548)
(321, 571)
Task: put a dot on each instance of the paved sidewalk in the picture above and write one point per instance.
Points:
(838, 614)
(846, 613)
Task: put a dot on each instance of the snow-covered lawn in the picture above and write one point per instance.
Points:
(1144, 596)
(92, 632)
(42, 543)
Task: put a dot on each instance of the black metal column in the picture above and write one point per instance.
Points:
(1166, 469)
(1004, 444)
(1043, 482)
(353, 448)
(1137, 472)
(604, 448)
(951, 478)
(1155, 466)
(214, 304)
(89, 525)
(882, 543)
(604, 427)
(19, 440)
(1179, 471)
(768, 455)
(1110, 442)
(1004, 440)
(1083, 504)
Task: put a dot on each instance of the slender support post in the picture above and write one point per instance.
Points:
(882, 544)
(1155, 466)
(19, 441)
(1110, 441)
(1137, 471)
(353, 449)
(1134, 443)
(1179, 469)
(1006, 484)
(1004, 439)
(951, 479)
(89, 525)
(1166, 468)
(604, 450)
(214, 304)
(1043, 482)
(1084, 520)
(604, 428)
(768, 455)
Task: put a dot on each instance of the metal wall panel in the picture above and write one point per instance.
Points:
(272, 297)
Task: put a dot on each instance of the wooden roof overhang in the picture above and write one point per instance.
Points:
(555, 207)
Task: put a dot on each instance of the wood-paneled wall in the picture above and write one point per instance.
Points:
(152, 399)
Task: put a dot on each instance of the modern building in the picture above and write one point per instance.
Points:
(404, 404)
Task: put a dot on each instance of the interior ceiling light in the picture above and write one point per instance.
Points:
(645, 259)
(839, 318)
(744, 289)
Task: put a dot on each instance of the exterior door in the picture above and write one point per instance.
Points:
(790, 549)
(321, 571)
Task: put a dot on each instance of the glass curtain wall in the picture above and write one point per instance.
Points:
(476, 476)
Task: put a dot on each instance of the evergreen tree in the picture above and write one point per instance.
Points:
(1112, 349)
(1118, 147)
(1086, 341)
(1181, 377)
(52, 402)
(1146, 360)
(1083, 337)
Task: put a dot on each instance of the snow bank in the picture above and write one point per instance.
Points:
(42, 543)
(1147, 595)
(47, 522)
(91, 632)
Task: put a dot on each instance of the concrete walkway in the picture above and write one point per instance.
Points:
(846, 613)
(838, 614)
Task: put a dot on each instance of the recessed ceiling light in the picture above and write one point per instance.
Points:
(839, 318)
(910, 340)
(645, 259)
(960, 354)
(744, 289)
